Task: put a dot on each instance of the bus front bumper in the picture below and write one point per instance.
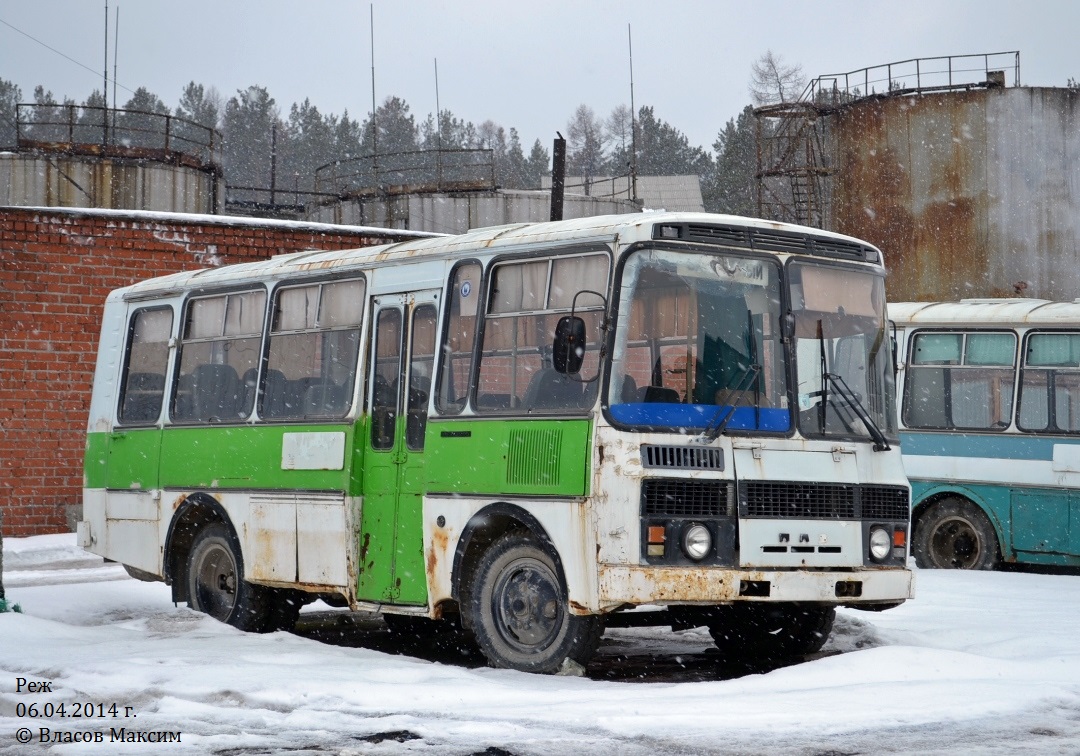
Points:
(632, 584)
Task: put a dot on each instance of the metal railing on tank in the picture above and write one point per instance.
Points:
(110, 132)
(415, 171)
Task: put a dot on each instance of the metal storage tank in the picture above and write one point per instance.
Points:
(971, 189)
(90, 157)
(970, 193)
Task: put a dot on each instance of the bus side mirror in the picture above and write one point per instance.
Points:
(568, 349)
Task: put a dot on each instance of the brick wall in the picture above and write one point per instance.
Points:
(56, 267)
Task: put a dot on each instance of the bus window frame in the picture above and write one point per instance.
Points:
(1022, 367)
(121, 389)
(356, 398)
(1019, 344)
(581, 249)
(185, 309)
(775, 259)
(443, 339)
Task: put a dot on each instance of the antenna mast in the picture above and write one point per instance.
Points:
(633, 117)
(116, 49)
(374, 126)
(105, 86)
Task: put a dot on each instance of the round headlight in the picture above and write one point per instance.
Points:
(880, 543)
(696, 541)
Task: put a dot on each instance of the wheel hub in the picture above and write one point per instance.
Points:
(527, 606)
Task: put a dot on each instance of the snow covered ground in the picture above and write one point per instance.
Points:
(978, 663)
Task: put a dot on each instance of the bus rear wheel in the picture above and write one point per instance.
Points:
(216, 584)
(519, 612)
(955, 534)
(770, 632)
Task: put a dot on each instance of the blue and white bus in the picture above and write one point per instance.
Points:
(989, 394)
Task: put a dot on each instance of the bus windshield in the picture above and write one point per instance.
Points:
(843, 354)
(698, 343)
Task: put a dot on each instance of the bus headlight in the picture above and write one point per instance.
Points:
(880, 543)
(696, 541)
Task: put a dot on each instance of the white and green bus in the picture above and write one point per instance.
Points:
(990, 428)
(529, 429)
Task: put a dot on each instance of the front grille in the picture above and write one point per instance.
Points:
(665, 497)
(682, 457)
(823, 501)
(885, 503)
(801, 500)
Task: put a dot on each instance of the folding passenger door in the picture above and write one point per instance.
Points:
(399, 387)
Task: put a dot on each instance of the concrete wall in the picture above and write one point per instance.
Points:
(56, 268)
(35, 180)
(967, 193)
(457, 213)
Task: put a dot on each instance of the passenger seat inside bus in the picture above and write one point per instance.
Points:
(550, 389)
(216, 392)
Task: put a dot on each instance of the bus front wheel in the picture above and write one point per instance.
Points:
(216, 584)
(519, 612)
(955, 534)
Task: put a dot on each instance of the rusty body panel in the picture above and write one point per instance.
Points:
(968, 193)
(660, 585)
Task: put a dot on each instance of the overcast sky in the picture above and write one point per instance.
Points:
(521, 63)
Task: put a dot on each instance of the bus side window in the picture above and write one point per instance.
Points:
(143, 384)
(421, 358)
(526, 301)
(221, 341)
(387, 358)
(1050, 390)
(455, 368)
(314, 346)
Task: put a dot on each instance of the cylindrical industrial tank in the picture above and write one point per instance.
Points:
(970, 193)
(41, 179)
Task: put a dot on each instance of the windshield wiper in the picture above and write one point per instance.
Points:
(747, 378)
(853, 401)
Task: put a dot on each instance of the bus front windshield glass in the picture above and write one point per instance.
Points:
(697, 344)
(843, 353)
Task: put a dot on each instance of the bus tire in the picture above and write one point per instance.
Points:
(770, 632)
(955, 534)
(520, 613)
(216, 584)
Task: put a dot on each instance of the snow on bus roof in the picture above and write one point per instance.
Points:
(989, 311)
(436, 246)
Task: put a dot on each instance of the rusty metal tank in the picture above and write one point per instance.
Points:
(969, 193)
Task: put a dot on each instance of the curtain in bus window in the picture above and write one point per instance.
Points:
(571, 275)
(519, 287)
(143, 388)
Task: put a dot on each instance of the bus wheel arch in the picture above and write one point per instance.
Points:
(194, 513)
(483, 529)
(202, 540)
(951, 531)
(511, 587)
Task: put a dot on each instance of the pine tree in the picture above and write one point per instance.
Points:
(251, 117)
(10, 96)
(731, 188)
(537, 165)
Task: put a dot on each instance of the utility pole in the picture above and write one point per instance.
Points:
(558, 177)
